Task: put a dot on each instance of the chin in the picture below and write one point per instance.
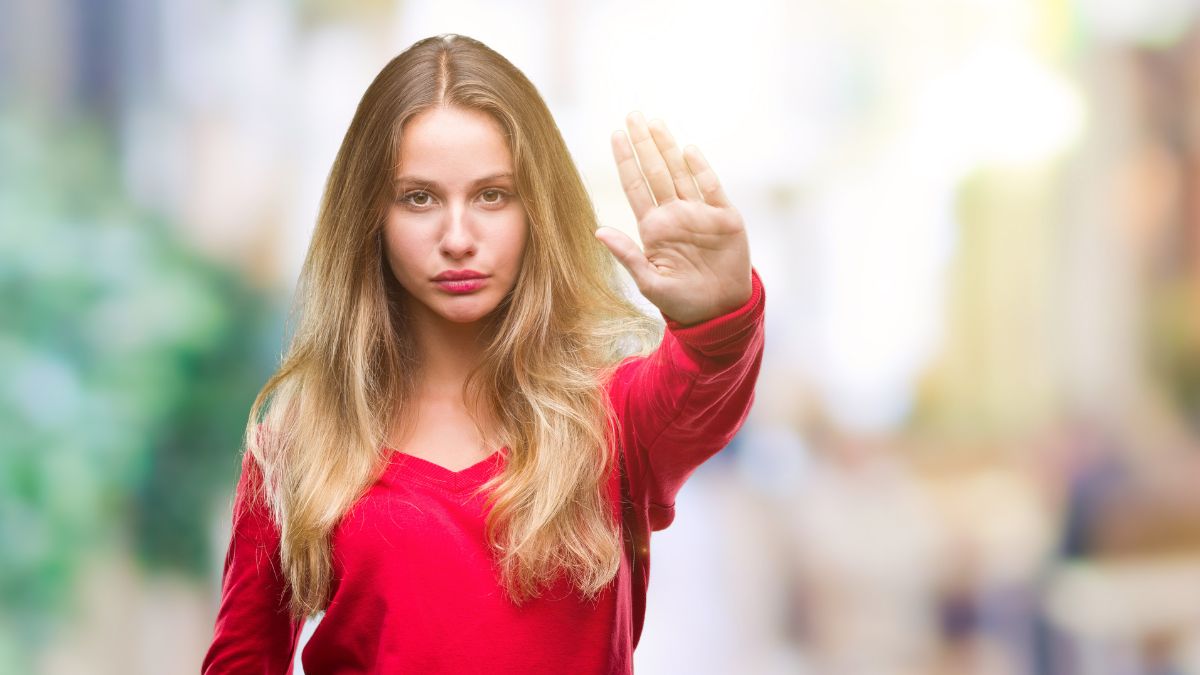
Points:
(463, 318)
(466, 312)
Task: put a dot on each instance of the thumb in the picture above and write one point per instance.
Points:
(628, 254)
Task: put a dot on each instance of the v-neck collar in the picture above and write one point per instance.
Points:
(436, 475)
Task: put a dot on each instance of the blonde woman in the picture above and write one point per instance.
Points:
(473, 431)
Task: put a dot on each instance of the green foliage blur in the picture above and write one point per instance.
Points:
(129, 365)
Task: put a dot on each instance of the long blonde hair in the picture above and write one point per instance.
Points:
(318, 426)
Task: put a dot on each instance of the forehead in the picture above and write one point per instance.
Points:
(453, 146)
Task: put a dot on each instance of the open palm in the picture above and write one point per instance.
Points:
(695, 260)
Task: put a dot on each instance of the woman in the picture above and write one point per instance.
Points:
(473, 431)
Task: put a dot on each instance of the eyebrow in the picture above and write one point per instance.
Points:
(417, 180)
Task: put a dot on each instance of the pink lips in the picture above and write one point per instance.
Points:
(460, 281)
(455, 275)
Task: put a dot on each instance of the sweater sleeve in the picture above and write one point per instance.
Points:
(684, 402)
(254, 632)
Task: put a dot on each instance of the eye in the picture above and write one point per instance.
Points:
(411, 198)
(498, 196)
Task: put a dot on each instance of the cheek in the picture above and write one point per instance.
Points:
(518, 237)
(399, 249)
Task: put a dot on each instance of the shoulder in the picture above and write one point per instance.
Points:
(259, 446)
(620, 374)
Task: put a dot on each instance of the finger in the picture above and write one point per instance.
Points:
(653, 164)
(706, 178)
(685, 185)
(636, 190)
(629, 255)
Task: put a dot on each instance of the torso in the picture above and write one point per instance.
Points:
(444, 434)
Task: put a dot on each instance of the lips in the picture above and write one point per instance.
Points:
(458, 275)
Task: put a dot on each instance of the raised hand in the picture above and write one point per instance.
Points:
(696, 259)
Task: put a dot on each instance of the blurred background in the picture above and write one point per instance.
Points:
(974, 447)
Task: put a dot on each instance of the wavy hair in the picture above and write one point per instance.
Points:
(317, 428)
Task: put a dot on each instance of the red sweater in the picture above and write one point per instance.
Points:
(414, 588)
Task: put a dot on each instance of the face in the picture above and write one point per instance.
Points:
(456, 230)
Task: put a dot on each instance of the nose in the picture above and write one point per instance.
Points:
(457, 238)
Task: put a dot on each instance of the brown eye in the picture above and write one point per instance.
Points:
(411, 197)
(498, 196)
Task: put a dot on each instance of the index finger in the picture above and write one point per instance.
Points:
(636, 190)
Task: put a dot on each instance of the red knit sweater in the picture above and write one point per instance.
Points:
(414, 588)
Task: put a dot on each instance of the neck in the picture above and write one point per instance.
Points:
(448, 351)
